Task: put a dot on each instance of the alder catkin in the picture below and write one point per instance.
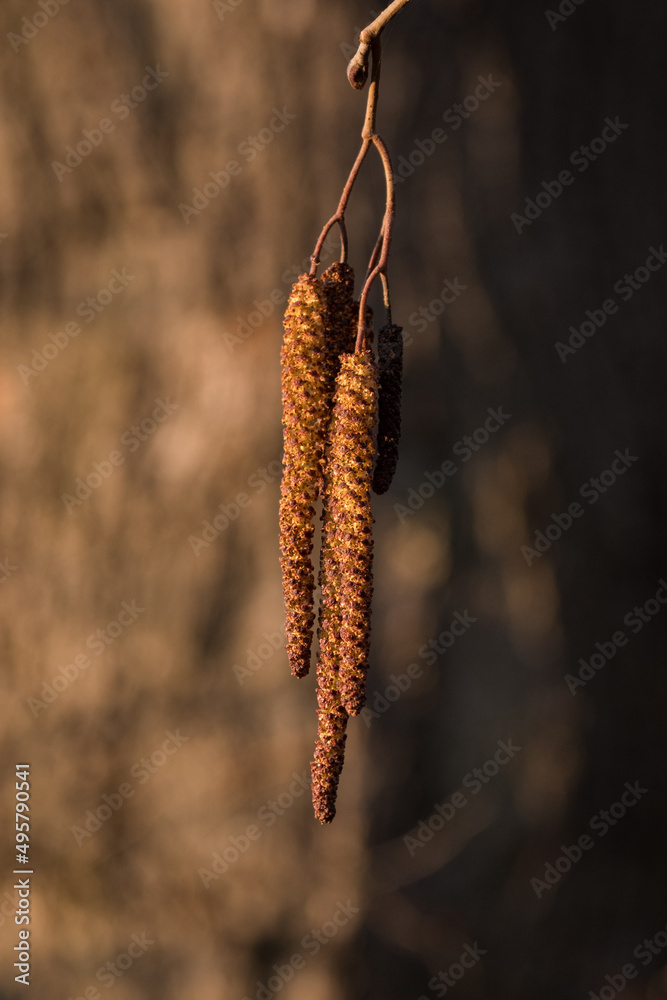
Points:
(329, 750)
(338, 283)
(306, 411)
(340, 323)
(349, 482)
(390, 363)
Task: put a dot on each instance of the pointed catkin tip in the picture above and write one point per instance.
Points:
(390, 360)
(329, 755)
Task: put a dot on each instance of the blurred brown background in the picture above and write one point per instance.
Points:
(140, 365)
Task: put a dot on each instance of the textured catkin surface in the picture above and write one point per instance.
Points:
(330, 747)
(341, 318)
(305, 393)
(338, 283)
(390, 363)
(350, 472)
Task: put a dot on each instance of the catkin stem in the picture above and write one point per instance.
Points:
(339, 216)
(386, 233)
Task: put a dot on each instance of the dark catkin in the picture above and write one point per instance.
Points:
(305, 378)
(390, 363)
(338, 283)
(349, 483)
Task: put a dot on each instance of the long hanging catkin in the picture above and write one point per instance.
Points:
(345, 574)
(390, 362)
(305, 394)
(350, 473)
(330, 411)
(338, 281)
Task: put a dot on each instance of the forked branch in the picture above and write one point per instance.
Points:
(357, 71)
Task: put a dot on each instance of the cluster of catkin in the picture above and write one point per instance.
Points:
(341, 408)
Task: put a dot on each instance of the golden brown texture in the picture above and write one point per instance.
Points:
(341, 321)
(331, 716)
(350, 472)
(330, 747)
(305, 379)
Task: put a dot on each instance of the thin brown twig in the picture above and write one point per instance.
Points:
(357, 70)
(368, 131)
(387, 226)
(376, 252)
(369, 48)
(339, 216)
